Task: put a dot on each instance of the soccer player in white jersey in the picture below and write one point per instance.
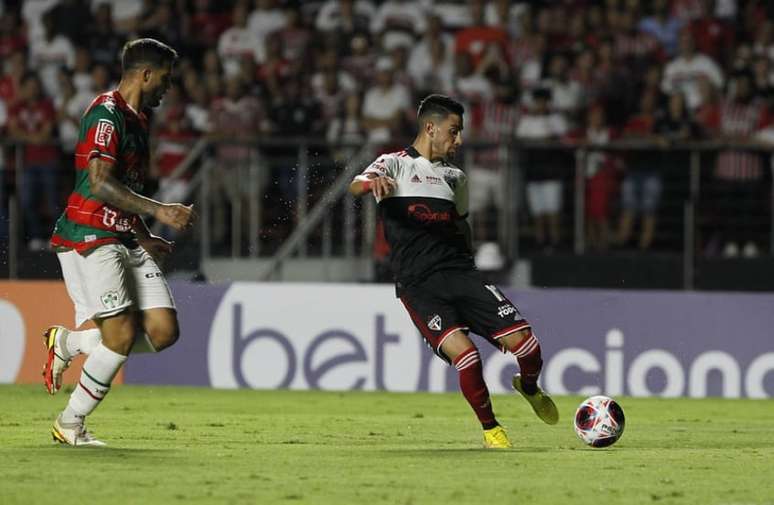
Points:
(106, 251)
(422, 199)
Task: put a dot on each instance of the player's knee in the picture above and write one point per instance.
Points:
(164, 335)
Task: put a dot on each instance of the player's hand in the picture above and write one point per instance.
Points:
(382, 186)
(176, 215)
(157, 247)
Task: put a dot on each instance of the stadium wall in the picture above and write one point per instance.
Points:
(357, 336)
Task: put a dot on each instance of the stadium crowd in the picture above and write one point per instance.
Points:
(350, 72)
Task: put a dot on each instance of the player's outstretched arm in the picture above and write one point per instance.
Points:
(110, 190)
(379, 185)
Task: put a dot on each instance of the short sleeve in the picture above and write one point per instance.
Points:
(383, 165)
(100, 132)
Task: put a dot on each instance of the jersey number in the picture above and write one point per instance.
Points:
(109, 218)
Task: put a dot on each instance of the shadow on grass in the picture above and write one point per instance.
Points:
(95, 453)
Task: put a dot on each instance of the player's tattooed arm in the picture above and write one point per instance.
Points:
(110, 190)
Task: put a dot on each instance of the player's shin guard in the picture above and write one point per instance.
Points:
(468, 365)
(98, 372)
(83, 341)
(527, 353)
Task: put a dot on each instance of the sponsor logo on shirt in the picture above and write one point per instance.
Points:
(433, 180)
(424, 214)
(416, 178)
(435, 323)
(104, 133)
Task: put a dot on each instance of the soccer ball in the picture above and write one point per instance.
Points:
(599, 421)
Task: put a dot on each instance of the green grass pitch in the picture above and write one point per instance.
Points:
(189, 445)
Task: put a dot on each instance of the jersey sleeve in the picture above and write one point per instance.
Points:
(100, 133)
(384, 165)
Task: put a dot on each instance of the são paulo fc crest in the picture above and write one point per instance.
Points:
(435, 323)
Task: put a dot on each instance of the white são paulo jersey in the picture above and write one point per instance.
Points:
(424, 216)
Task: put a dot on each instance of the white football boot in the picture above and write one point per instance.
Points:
(75, 435)
(57, 358)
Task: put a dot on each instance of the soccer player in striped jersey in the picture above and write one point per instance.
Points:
(422, 199)
(107, 253)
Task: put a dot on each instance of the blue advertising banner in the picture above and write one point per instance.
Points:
(354, 336)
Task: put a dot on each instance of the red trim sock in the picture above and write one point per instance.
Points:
(527, 353)
(473, 387)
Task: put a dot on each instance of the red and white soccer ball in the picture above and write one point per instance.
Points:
(599, 421)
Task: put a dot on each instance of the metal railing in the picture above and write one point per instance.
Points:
(327, 222)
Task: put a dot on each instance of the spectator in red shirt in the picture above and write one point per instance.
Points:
(713, 37)
(12, 38)
(32, 121)
(476, 39)
(10, 81)
(736, 191)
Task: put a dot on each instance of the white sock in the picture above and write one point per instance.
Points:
(83, 341)
(98, 372)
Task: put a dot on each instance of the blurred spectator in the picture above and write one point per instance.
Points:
(207, 23)
(294, 34)
(713, 37)
(70, 16)
(174, 139)
(421, 54)
(433, 72)
(566, 94)
(544, 168)
(104, 42)
(345, 130)
(49, 53)
(469, 83)
(385, 105)
(275, 68)
(12, 37)
(294, 113)
(70, 103)
(197, 110)
(125, 13)
(601, 178)
(642, 185)
(663, 26)
(494, 122)
(265, 18)
(358, 65)
(506, 15)
(239, 42)
(236, 118)
(763, 44)
(479, 38)
(32, 121)
(100, 79)
(398, 22)
(682, 74)
(81, 71)
(10, 82)
(345, 16)
(160, 21)
(634, 46)
(331, 96)
(763, 79)
(32, 14)
(736, 191)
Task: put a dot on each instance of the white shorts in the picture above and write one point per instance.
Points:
(485, 187)
(544, 197)
(111, 279)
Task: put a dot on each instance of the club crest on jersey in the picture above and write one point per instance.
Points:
(435, 323)
(416, 178)
(104, 133)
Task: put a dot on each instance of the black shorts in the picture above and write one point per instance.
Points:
(452, 300)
